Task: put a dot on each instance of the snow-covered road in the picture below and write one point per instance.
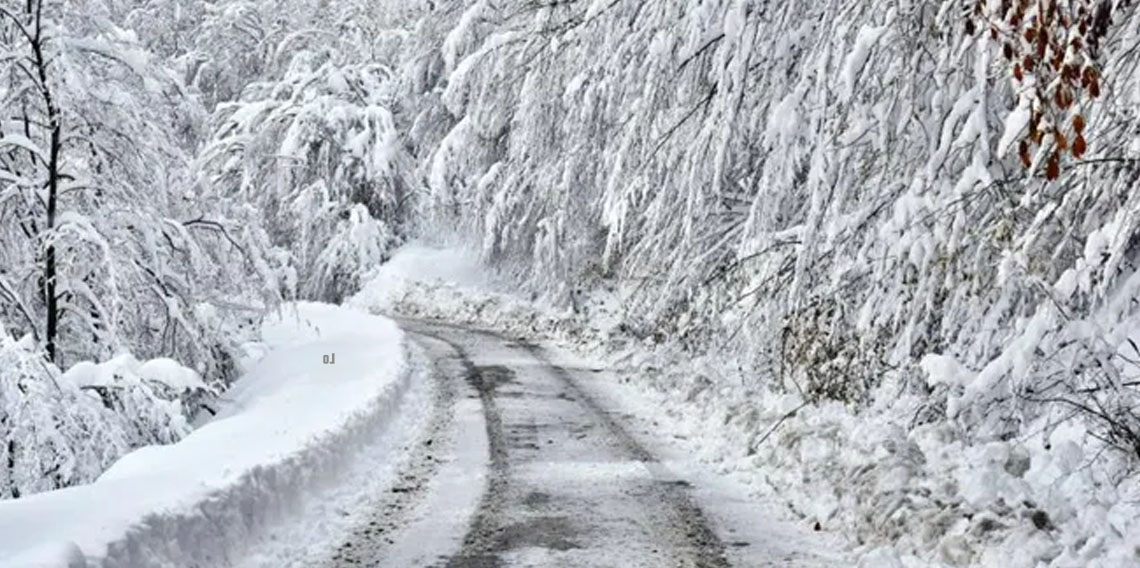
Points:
(529, 463)
(436, 446)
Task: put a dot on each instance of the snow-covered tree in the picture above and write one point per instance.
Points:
(832, 187)
(108, 245)
(104, 245)
(317, 153)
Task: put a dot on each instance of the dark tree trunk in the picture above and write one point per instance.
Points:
(50, 296)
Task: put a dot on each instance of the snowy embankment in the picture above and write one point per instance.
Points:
(289, 428)
(902, 492)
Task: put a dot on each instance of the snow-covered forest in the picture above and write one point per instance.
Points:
(917, 218)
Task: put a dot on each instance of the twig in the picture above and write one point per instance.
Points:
(789, 414)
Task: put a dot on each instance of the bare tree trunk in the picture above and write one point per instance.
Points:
(51, 298)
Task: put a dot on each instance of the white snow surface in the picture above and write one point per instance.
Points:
(288, 427)
(415, 265)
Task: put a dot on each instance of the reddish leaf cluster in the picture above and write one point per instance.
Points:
(1051, 49)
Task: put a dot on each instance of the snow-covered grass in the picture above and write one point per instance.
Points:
(287, 428)
(900, 483)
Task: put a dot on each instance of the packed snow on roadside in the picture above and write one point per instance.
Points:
(287, 428)
(904, 491)
(449, 283)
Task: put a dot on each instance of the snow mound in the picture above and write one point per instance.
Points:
(167, 372)
(287, 428)
(416, 265)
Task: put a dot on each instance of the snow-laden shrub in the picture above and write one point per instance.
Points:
(357, 244)
(54, 435)
(58, 430)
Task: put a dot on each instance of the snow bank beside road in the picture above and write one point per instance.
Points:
(411, 267)
(449, 284)
(289, 426)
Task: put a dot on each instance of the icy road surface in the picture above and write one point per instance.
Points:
(525, 464)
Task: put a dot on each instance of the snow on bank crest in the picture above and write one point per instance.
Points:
(290, 425)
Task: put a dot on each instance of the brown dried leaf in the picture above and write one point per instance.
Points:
(1053, 167)
(1062, 98)
(1079, 146)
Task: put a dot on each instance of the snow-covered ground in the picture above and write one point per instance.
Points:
(292, 431)
(899, 492)
(302, 453)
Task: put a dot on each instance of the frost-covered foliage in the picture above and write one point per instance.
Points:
(60, 430)
(820, 183)
(220, 47)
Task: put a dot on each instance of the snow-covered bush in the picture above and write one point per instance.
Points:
(53, 434)
(61, 430)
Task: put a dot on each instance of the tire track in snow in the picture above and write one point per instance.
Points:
(499, 532)
(707, 546)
